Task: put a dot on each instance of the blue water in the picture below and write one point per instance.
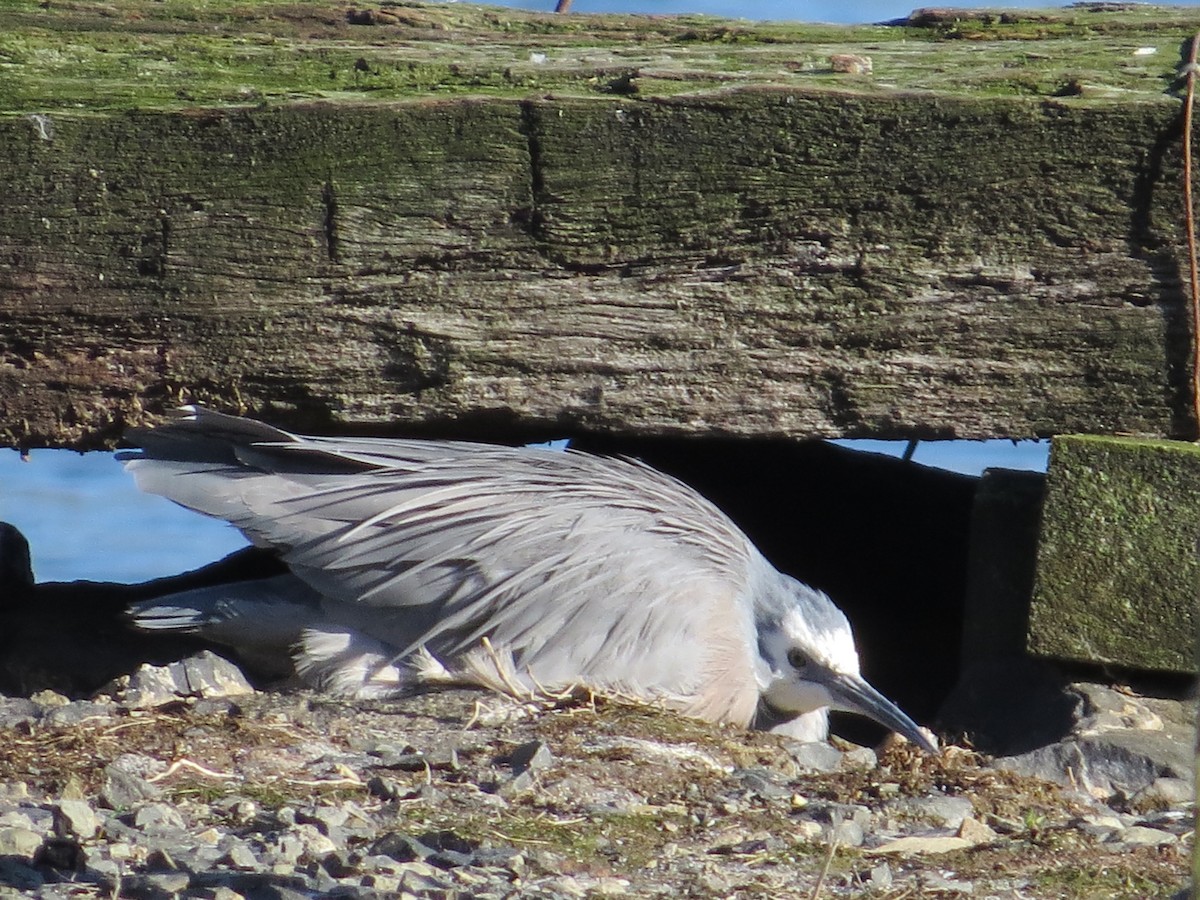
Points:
(85, 520)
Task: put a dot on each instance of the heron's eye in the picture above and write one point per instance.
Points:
(796, 659)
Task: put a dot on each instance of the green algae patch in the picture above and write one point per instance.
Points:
(1117, 565)
(139, 54)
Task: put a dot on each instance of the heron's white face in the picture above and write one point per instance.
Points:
(800, 653)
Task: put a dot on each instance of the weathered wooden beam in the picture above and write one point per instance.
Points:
(740, 242)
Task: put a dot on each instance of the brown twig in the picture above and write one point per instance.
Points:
(833, 845)
(1190, 70)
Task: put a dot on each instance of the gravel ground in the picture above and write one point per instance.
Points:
(233, 792)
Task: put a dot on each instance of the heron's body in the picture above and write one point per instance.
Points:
(431, 560)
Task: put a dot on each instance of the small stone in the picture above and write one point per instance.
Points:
(937, 809)
(400, 847)
(19, 842)
(313, 842)
(1141, 836)
(326, 818)
(342, 863)
(449, 859)
(49, 699)
(204, 675)
(18, 712)
(14, 819)
(815, 756)
(808, 830)
(976, 832)
(158, 817)
(1165, 792)
(1178, 822)
(860, 758)
(846, 834)
(502, 857)
(385, 788)
(122, 789)
(239, 856)
(881, 877)
(763, 783)
(76, 713)
(531, 757)
(913, 845)
(75, 818)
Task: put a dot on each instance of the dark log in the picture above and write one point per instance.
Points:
(494, 222)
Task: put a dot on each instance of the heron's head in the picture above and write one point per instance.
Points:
(809, 650)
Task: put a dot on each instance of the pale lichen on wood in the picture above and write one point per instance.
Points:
(467, 217)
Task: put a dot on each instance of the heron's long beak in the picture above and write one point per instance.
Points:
(852, 694)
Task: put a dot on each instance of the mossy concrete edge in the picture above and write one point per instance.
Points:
(1117, 566)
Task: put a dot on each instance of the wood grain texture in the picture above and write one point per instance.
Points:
(761, 260)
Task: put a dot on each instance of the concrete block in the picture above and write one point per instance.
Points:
(1117, 567)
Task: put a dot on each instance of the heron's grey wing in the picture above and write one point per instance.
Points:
(575, 562)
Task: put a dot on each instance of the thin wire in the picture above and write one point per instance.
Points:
(1191, 228)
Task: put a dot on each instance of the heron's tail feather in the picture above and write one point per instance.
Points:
(347, 663)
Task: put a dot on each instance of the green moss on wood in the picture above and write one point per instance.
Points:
(1117, 566)
(125, 54)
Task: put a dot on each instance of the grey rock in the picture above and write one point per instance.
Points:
(154, 886)
(944, 886)
(1141, 836)
(17, 841)
(844, 823)
(18, 712)
(75, 818)
(326, 818)
(763, 783)
(15, 818)
(1101, 766)
(238, 855)
(533, 756)
(121, 789)
(400, 847)
(77, 712)
(204, 675)
(503, 857)
(860, 758)
(385, 788)
(880, 877)
(302, 842)
(158, 817)
(342, 863)
(815, 756)
(846, 834)
(1165, 792)
(1176, 821)
(834, 813)
(936, 809)
(449, 859)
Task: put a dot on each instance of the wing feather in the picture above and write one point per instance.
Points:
(525, 546)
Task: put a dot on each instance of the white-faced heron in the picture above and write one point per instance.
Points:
(414, 562)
